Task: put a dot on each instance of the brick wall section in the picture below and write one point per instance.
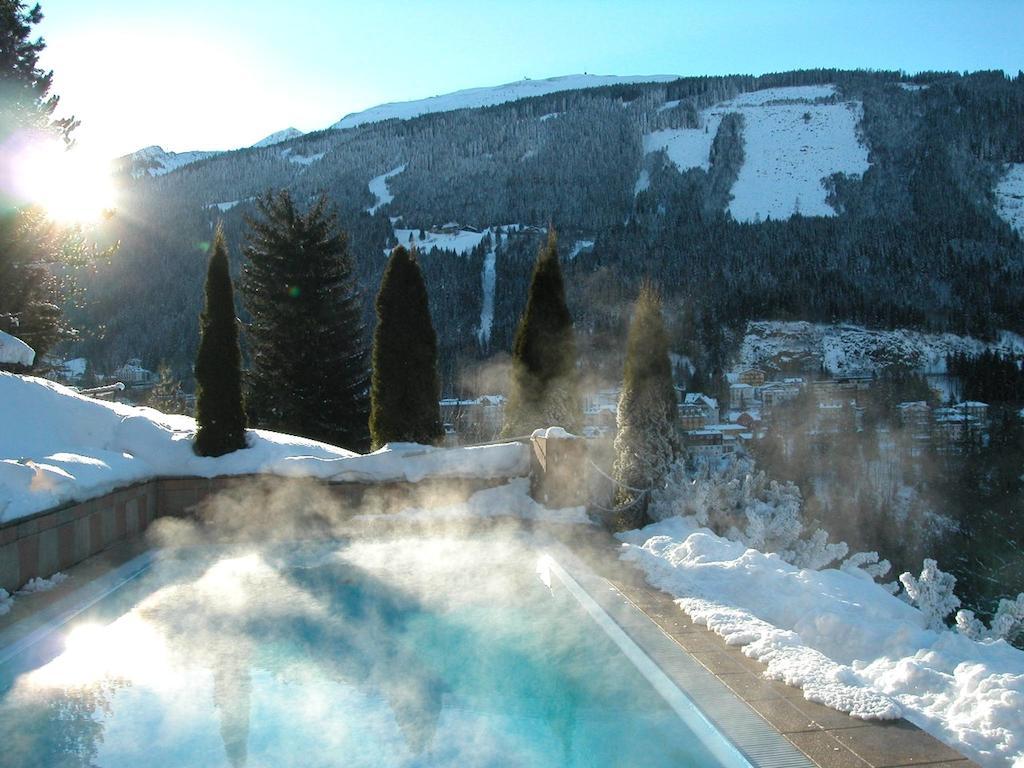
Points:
(51, 541)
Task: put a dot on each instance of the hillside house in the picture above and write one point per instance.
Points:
(707, 405)
(741, 396)
(753, 376)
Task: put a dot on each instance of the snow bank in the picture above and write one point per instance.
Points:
(842, 638)
(14, 351)
(57, 446)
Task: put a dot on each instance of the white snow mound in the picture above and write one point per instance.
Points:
(14, 351)
(57, 446)
(842, 638)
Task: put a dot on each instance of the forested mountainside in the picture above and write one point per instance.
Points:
(819, 195)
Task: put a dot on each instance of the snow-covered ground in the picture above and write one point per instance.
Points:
(14, 351)
(790, 144)
(378, 187)
(301, 159)
(462, 242)
(851, 349)
(842, 638)
(486, 97)
(57, 446)
(1010, 196)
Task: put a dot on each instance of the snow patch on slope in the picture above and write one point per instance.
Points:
(850, 349)
(842, 638)
(58, 446)
(486, 97)
(790, 144)
(298, 159)
(379, 189)
(462, 241)
(1010, 196)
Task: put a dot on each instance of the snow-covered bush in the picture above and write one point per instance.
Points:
(932, 593)
(1007, 623)
(5, 601)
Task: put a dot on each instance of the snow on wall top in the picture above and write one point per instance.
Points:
(14, 351)
(487, 97)
(58, 446)
(851, 349)
(790, 144)
(1010, 196)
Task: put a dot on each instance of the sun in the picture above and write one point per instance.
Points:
(70, 184)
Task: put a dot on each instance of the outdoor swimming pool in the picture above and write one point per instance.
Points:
(391, 652)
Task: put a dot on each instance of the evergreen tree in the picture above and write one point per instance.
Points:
(220, 416)
(544, 387)
(647, 440)
(306, 338)
(33, 249)
(404, 388)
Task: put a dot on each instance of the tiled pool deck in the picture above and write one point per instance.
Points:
(830, 739)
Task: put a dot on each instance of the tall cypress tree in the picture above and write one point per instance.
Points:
(545, 390)
(307, 342)
(647, 440)
(404, 388)
(220, 415)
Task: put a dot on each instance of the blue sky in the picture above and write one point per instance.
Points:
(196, 74)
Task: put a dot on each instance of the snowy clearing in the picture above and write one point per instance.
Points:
(301, 159)
(487, 97)
(461, 242)
(1010, 196)
(57, 446)
(686, 147)
(790, 144)
(378, 187)
(851, 349)
(842, 638)
(14, 351)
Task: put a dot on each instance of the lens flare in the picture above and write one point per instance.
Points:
(71, 185)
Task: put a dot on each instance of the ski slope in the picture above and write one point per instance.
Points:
(378, 187)
(487, 97)
(791, 142)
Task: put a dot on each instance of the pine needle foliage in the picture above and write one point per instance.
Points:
(220, 414)
(404, 387)
(307, 343)
(647, 441)
(544, 389)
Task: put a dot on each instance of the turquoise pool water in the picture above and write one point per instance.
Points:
(402, 652)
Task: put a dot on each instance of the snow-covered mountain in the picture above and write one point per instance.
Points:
(487, 97)
(277, 138)
(156, 161)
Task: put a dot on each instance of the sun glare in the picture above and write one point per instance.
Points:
(71, 185)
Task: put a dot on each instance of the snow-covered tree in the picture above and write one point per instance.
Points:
(932, 593)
